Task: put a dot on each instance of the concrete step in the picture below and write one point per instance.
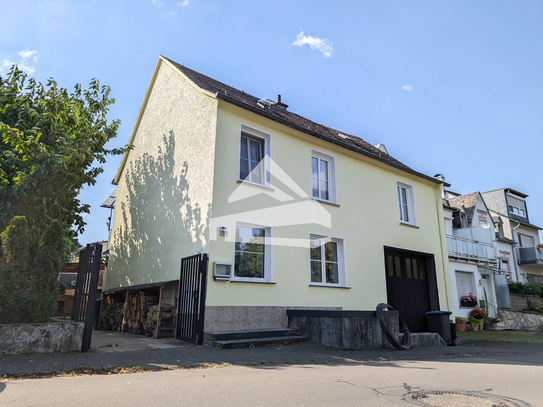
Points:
(501, 327)
(258, 342)
(252, 334)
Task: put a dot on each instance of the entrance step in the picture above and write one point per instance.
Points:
(501, 327)
(253, 338)
(257, 342)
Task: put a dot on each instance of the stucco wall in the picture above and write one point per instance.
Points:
(367, 219)
(164, 192)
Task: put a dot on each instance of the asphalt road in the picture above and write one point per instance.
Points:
(516, 379)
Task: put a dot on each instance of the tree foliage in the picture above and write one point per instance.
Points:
(29, 287)
(52, 144)
(14, 270)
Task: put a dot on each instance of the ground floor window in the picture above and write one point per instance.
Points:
(252, 253)
(326, 255)
(464, 284)
(535, 279)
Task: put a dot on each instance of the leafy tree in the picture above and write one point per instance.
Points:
(29, 289)
(44, 288)
(14, 271)
(52, 142)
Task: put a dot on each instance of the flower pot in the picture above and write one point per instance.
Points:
(475, 327)
(486, 326)
(461, 326)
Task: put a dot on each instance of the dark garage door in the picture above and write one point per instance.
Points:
(407, 287)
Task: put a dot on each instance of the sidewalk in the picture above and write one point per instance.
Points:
(170, 353)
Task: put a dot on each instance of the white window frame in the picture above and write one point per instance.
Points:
(268, 254)
(511, 207)
(342, 277)
(332, 181)
(411, 212)
(266, 139)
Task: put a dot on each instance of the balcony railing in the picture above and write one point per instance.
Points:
(470, 250)
(529, 255)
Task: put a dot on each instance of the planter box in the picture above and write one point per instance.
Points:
(52, 337)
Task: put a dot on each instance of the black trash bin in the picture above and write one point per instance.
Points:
(438, 321)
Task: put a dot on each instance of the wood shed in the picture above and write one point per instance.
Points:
(145, 309)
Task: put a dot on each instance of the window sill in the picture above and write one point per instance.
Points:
(252, 184)
(330, 286)
(325, 202)
(252, 282)
(409, 224)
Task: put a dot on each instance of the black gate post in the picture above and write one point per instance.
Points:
(192, 298)
(203, 291)
(88, 273)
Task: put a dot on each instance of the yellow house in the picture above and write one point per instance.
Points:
(292, 214)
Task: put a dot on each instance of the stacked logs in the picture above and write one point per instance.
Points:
(111, 313)
(138, 313)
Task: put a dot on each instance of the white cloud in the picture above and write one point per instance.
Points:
(320, 44)
(407, 87)
(27, 54)
(173, 13)
(26, 68)
(184, 4)
(158, 3)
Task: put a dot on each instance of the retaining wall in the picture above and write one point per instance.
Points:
(520, 302)
(52, 337)
(525, 321)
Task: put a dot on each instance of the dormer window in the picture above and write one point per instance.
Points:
(516, 206)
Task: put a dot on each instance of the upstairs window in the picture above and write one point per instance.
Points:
(323, 177)
(406, 203)
(251, 154)
(516, 206)
(254, 148)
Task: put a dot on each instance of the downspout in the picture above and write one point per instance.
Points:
(445, 255)
(514, 244)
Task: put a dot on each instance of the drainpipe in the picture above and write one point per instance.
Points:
(513, 248)
(444, 256)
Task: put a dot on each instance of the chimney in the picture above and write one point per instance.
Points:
(440, 177)
(280, 104)
(382, 148)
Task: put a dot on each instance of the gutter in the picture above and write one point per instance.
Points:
(288, 123)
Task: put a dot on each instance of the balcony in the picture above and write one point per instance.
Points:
(529, 255)
(470, 250)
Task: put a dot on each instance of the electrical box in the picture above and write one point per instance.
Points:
(222, 270)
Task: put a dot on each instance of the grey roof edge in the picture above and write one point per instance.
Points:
(239, 103)
(507, 189)
(139, 286)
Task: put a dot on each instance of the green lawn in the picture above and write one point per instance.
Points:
(504, 336)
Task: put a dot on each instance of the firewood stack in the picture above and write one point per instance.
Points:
(138, 314)
(111, 314)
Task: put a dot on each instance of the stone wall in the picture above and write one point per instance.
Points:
(65, 336)
(242, 318)
(520, 302)
(525, 321)
(343, 329)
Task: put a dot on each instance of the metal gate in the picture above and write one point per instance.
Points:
(192, 298)
(85, 290)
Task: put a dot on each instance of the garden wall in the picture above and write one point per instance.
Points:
(520, 302)
(52, 337)
(525, 321)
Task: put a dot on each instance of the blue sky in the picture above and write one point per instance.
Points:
(452, 87)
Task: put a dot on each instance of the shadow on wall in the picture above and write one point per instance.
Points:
(161, 223)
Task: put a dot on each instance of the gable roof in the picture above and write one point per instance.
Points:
(278, 112)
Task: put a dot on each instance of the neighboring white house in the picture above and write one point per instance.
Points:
(509, 208)
(472, 247)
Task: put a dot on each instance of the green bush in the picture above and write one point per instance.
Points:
(29, 289)
(14, 271)
(526, 289)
